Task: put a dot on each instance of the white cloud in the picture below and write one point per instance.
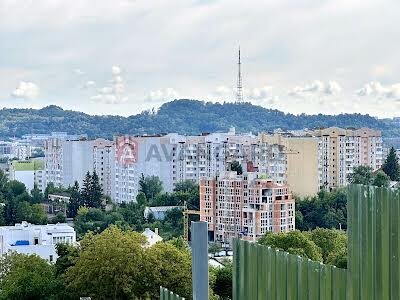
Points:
(106, 90)
(113, 94)
(317, 87)
(89, 84)
(223, 90)
(376, 89)
(115, 70)
(161, 95)
(108, 99)
(260, 93)
(26, 90)
(332, 88)
(78, 72)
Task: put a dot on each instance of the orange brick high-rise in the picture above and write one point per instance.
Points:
(245, 206)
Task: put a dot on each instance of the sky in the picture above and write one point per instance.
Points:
(126, 56)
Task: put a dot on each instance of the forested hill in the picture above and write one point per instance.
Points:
(182, 116)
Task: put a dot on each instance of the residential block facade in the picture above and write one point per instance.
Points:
(245, 206)
(341, 150)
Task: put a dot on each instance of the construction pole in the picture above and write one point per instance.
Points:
(200, 261)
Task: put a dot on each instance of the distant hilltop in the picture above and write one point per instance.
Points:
(182, 116)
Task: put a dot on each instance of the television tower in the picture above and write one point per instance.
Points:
(239, 88)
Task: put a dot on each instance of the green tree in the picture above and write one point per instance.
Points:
(15, 187)
(330, 241)
(115, 265)
(27, 278)
(95, 191)
(37, 196)
(381, 179)
(223, 282)
(85, 191)
(186, 186)
(75, 201)
(327, 210)
(141, 199)
(236, 166)
(38, 215)
(165, 265)
(3, 181)
(110, 266)
(391, 165)
(24, 212)
(361, 175)
(58, 218)
(294, 242)
(214, 248)
(150, 186)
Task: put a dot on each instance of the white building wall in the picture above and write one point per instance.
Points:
(26, 177)
(41, 239)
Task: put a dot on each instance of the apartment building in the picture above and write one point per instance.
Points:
(341, 150)
(67, 161)
(35, 239)
(103, 152)
(134, 156)
(302, 154)
(19, 150)
(30, 173)
(245, 206)
(174, 158)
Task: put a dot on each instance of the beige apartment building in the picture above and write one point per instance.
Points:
(341, 150)
(245, 206)
(302, 161)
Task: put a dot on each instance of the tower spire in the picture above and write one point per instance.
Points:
(239, 88)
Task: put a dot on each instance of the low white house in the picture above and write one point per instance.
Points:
(41, 240)
(151, 237)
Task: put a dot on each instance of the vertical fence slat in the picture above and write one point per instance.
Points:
(394, 247)
(373, 258)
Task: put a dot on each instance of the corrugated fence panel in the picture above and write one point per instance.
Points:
(373, 246)
(373, 273)
(260, 272)
(165, 294)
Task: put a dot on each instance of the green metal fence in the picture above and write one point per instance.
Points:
(373, 247)
(373, 272)
(260, 272)
(165, 294)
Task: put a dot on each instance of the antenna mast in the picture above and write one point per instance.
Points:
(239, 88)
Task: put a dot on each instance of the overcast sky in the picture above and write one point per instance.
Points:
(124, 56)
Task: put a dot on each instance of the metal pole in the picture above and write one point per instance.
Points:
(200, 261)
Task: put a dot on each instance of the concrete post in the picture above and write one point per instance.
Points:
(200, 261)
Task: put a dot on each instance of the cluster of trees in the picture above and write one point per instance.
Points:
(182, 116)
(114, 264)
(16, 204)
(89, 196)
(131, 215)
(111, 265)
(390, 172)
(326, 210)
(364, 175)
(325, 245)
(391, 166)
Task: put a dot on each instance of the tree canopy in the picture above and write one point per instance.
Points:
(26, 277)
(325, 245)
(115, 265)
(181, 116)
(391, 165)
(326, 210)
